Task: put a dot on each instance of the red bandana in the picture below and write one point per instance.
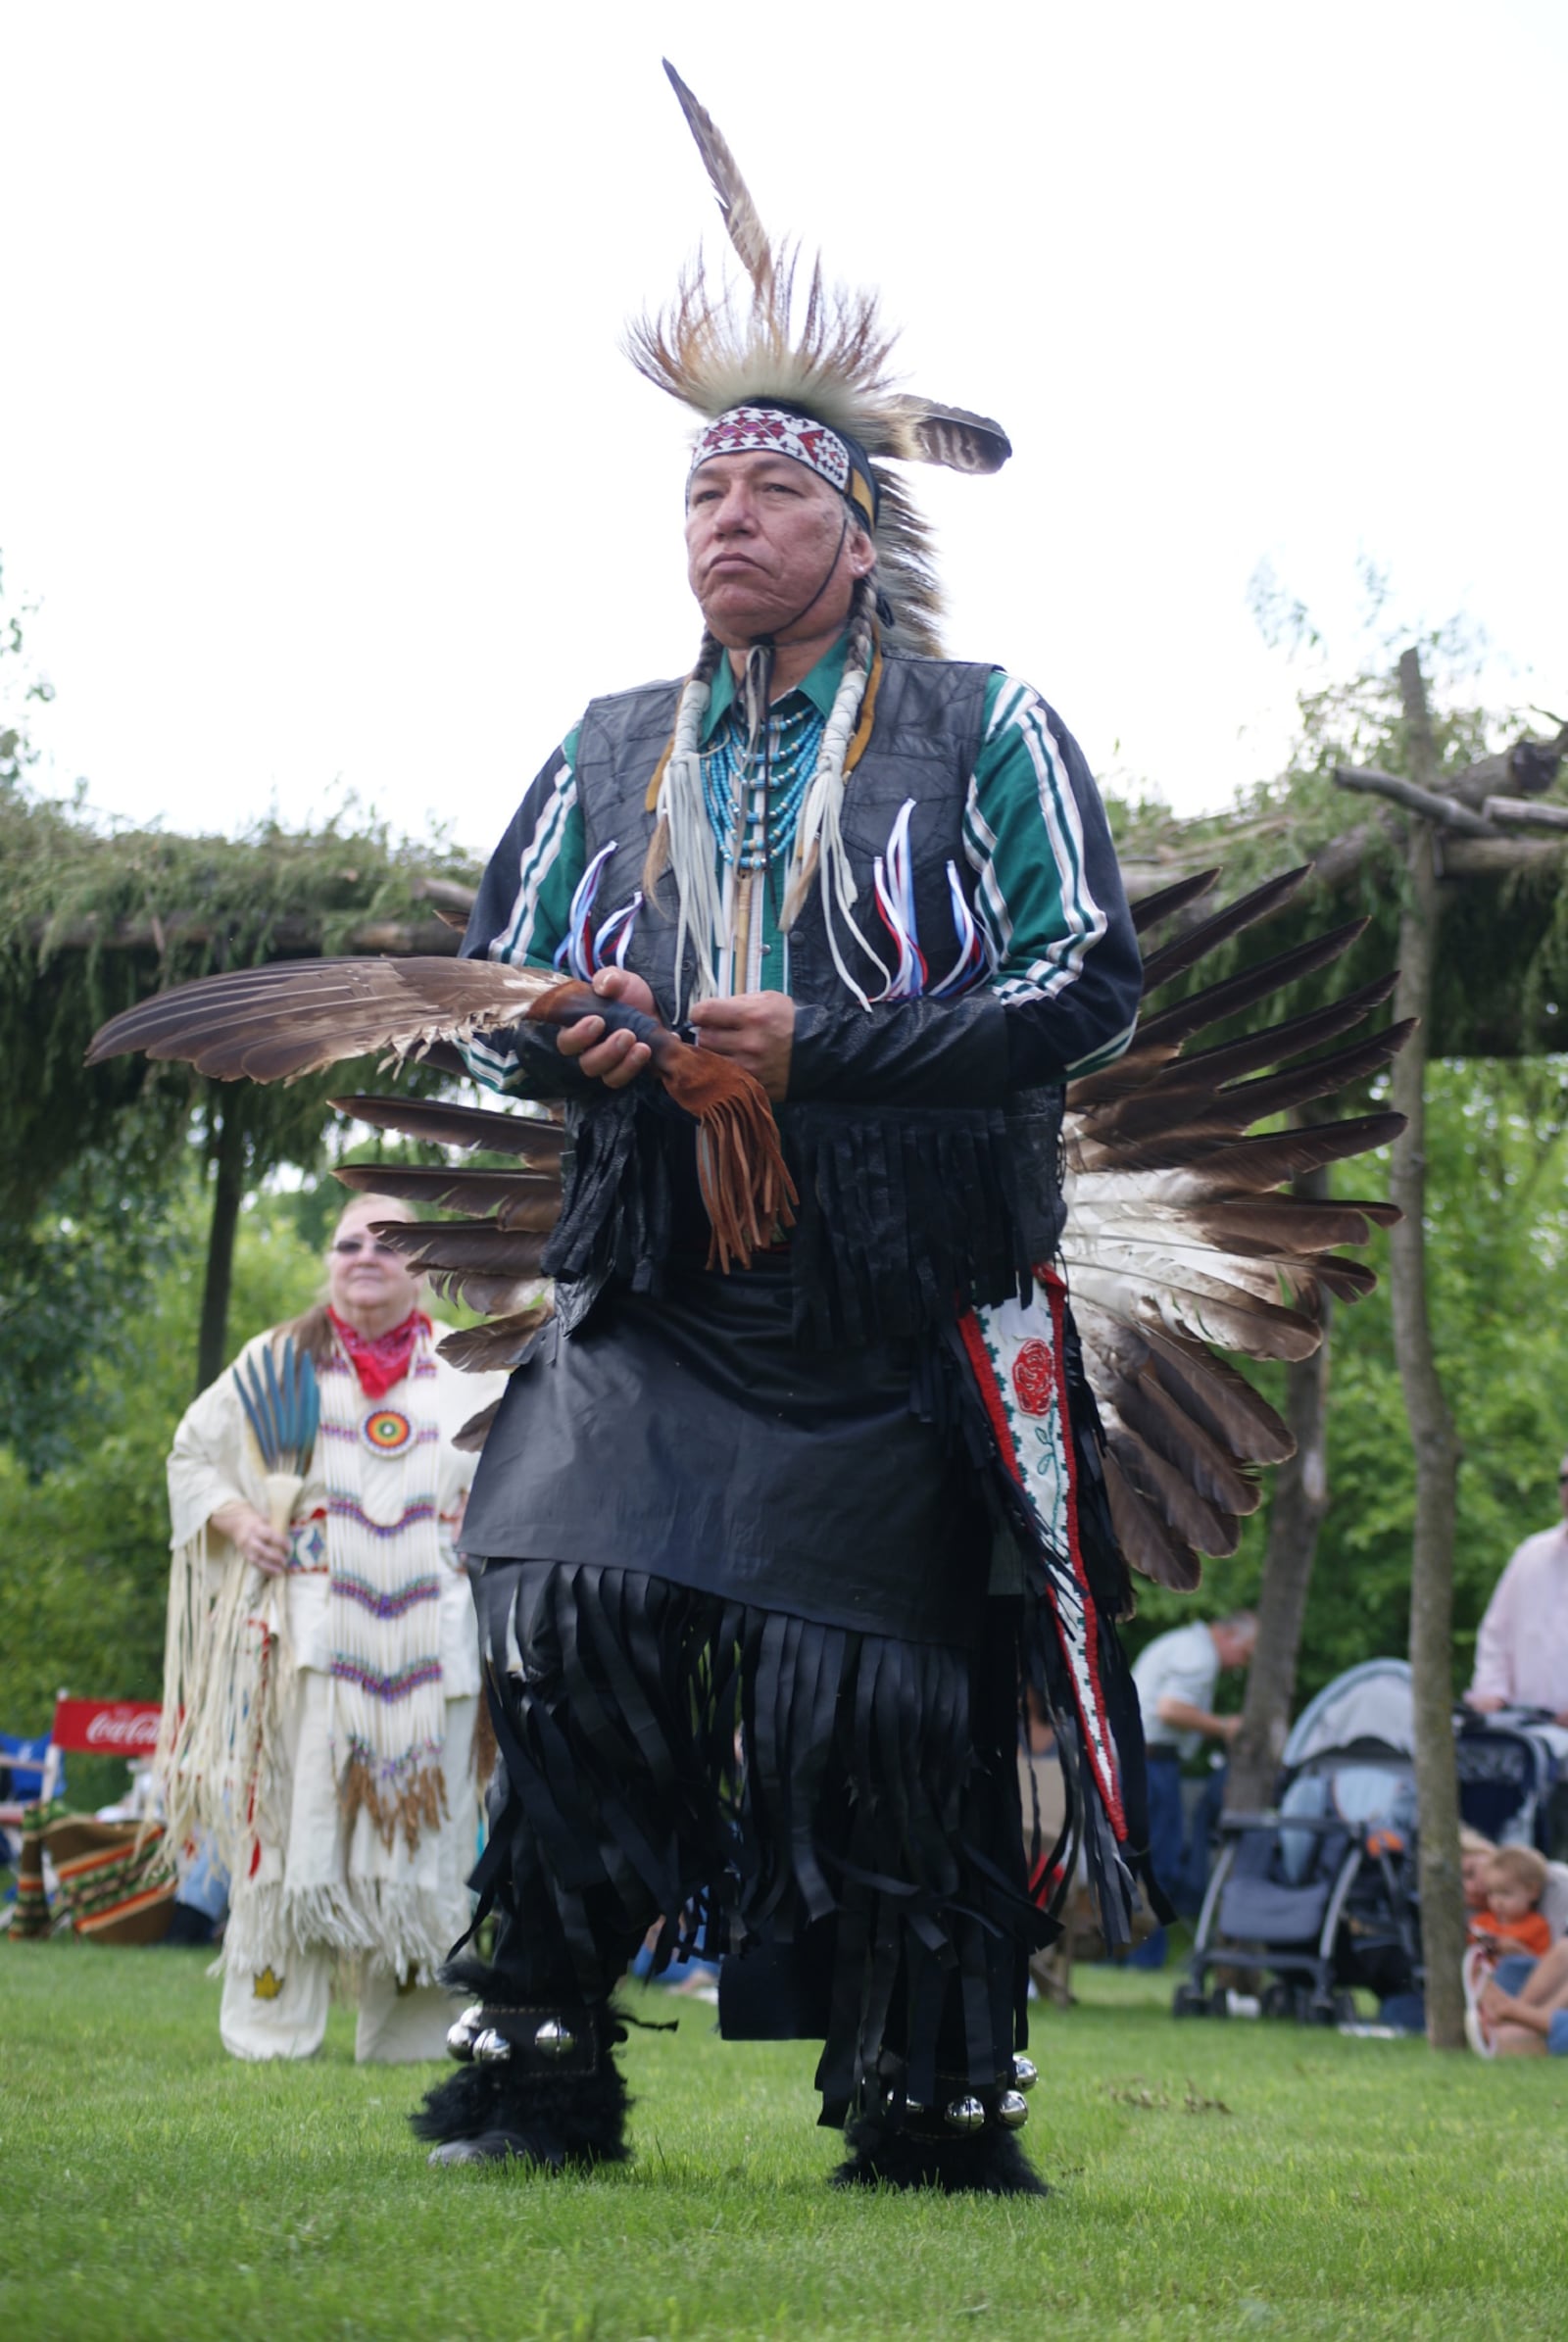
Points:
(380, 1359)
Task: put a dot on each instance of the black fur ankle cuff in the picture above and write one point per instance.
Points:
(554, 2118)
(989, 2163)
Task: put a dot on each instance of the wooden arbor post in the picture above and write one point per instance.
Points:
(1432, 1431)
(1432, 812)
(1296, 1516)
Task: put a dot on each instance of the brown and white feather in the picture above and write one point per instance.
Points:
(295, 1017)
(1182, 1240)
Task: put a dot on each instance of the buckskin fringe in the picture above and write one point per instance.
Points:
(408, 1931)
(746, 1187)
(874, 1770)
(746, 1191)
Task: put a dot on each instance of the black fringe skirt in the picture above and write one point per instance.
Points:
(840, 1808)
(756, 1674)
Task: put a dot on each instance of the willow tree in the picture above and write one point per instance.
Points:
(93, 920)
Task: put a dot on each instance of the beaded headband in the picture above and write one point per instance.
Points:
(783, 431)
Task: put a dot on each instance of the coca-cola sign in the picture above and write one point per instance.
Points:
(123, 1728)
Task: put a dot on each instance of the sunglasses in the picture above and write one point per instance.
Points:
(347, 1246)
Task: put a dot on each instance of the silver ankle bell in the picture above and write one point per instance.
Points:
(553, 2040)
(491, 2048)
(965, 2114)
(460, 2034)
(1025, 2074)
(1013, 2110)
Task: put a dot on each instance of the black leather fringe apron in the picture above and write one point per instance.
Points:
(688, 1435)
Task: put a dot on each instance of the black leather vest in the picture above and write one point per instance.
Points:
(907, 1212)
(922, 746)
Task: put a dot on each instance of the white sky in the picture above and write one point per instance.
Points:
(318, 455)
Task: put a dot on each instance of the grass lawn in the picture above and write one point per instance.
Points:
(1211, 2180)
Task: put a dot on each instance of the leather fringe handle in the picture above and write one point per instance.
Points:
(747, 1191)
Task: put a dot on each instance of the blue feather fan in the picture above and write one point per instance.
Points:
(282, 1407)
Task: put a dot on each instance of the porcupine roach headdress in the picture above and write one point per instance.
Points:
(763, 364)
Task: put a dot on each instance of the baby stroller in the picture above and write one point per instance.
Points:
(1513, 1777)
(1320, 1895)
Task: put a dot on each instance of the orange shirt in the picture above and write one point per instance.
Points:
(1532, 1933)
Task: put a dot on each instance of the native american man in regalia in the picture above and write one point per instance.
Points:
(813, 1483)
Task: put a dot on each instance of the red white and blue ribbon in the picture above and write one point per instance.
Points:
(582, 949)
(893, 881)
(893, 874)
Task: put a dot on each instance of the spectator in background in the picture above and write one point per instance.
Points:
(1522, 1646)
(328, 1670)
(1530, 2023)
(1176, 1679)
(1511, 1919)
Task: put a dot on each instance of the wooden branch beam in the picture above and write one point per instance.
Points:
(1527, 812)
(444, 896)
(1531, 767)
(1446, 812)
(1501, 857)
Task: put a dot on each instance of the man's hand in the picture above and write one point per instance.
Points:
(258, 1541)
(1486, 1704)
(755, 1030)
(613, 1059)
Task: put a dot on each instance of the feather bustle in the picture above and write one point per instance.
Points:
(1145, 1538)
(1226, 1062)
(296, 1017)
(536, 1142)
(497, 1346)
(1234, 996)
(1185, 950)
(442, 1248)
(1178, 1236)
(475, 1432)
(522, 1200)
(1149, 909)
(1147, 1409)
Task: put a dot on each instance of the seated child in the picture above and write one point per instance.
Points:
(1509, 1921)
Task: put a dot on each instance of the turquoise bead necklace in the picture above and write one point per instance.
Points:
(753, 801)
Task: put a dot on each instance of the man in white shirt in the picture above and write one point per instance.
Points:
(1522, 1644)
(1175, 1679)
